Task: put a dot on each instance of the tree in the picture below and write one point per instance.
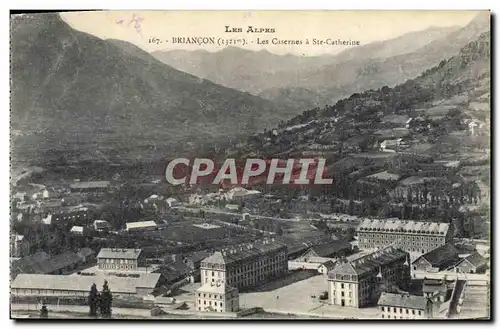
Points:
(106, 301)
(93, 300)
(44, 312)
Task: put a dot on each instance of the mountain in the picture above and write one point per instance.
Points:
(441, 102)
(318, 81)
(74, 95)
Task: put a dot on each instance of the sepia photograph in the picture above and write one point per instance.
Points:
(250, 165)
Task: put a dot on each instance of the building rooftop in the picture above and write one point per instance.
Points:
(133, 225)
(90, 185)
(329, 264)
(442, 257)
(331, 247)
(42, 264)
(403, 226)
(84, 282)
(403, 301)
(475, 259)
(368, 263)
(86, 252)
(435, 285)
(243, 252)
(119, 253)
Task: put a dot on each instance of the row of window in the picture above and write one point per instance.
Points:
(395, 310)
(342, 294)
(115, 266)
(210, 295)
(116, 261)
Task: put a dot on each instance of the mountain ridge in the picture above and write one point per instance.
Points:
(81, 94)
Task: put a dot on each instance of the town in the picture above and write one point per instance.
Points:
(221, 254)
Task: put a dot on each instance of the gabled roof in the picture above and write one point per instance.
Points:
(368, 263)
(242, 253)
(403, 301)
(442, 257)
(330, 248)
(119, 253)
(475, 259)
(330, 264)
(132, 225)
(84, 282)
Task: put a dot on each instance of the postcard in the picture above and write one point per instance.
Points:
(222, 165)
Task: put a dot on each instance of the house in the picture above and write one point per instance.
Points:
(87, 255)
(403, 306)
(78, 230)
(326, 267)
(90, 187)
(194, 260)
(232, 207)
(120, 259)
(438, 290)
(240, 194)
(331, 249)
(141, 226)
(473, 263)
(41, 263)
(389, 144)
(172, 202)
(439, 259)
(101, 225)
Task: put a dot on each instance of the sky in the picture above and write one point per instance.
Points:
(138, 27)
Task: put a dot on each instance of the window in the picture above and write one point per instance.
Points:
(413, 312)
(407, 311)
(213, 273)
(400, 310)
(383, 308)
(394, 309)
(341, 286)
(342, 294)
(419, 312)
(204, 302)
(220, 304)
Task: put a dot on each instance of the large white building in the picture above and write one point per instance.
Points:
(217, 297)
(359, 282)
(246, 267)
(149, 225)
(411, 236)
(120, 259)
